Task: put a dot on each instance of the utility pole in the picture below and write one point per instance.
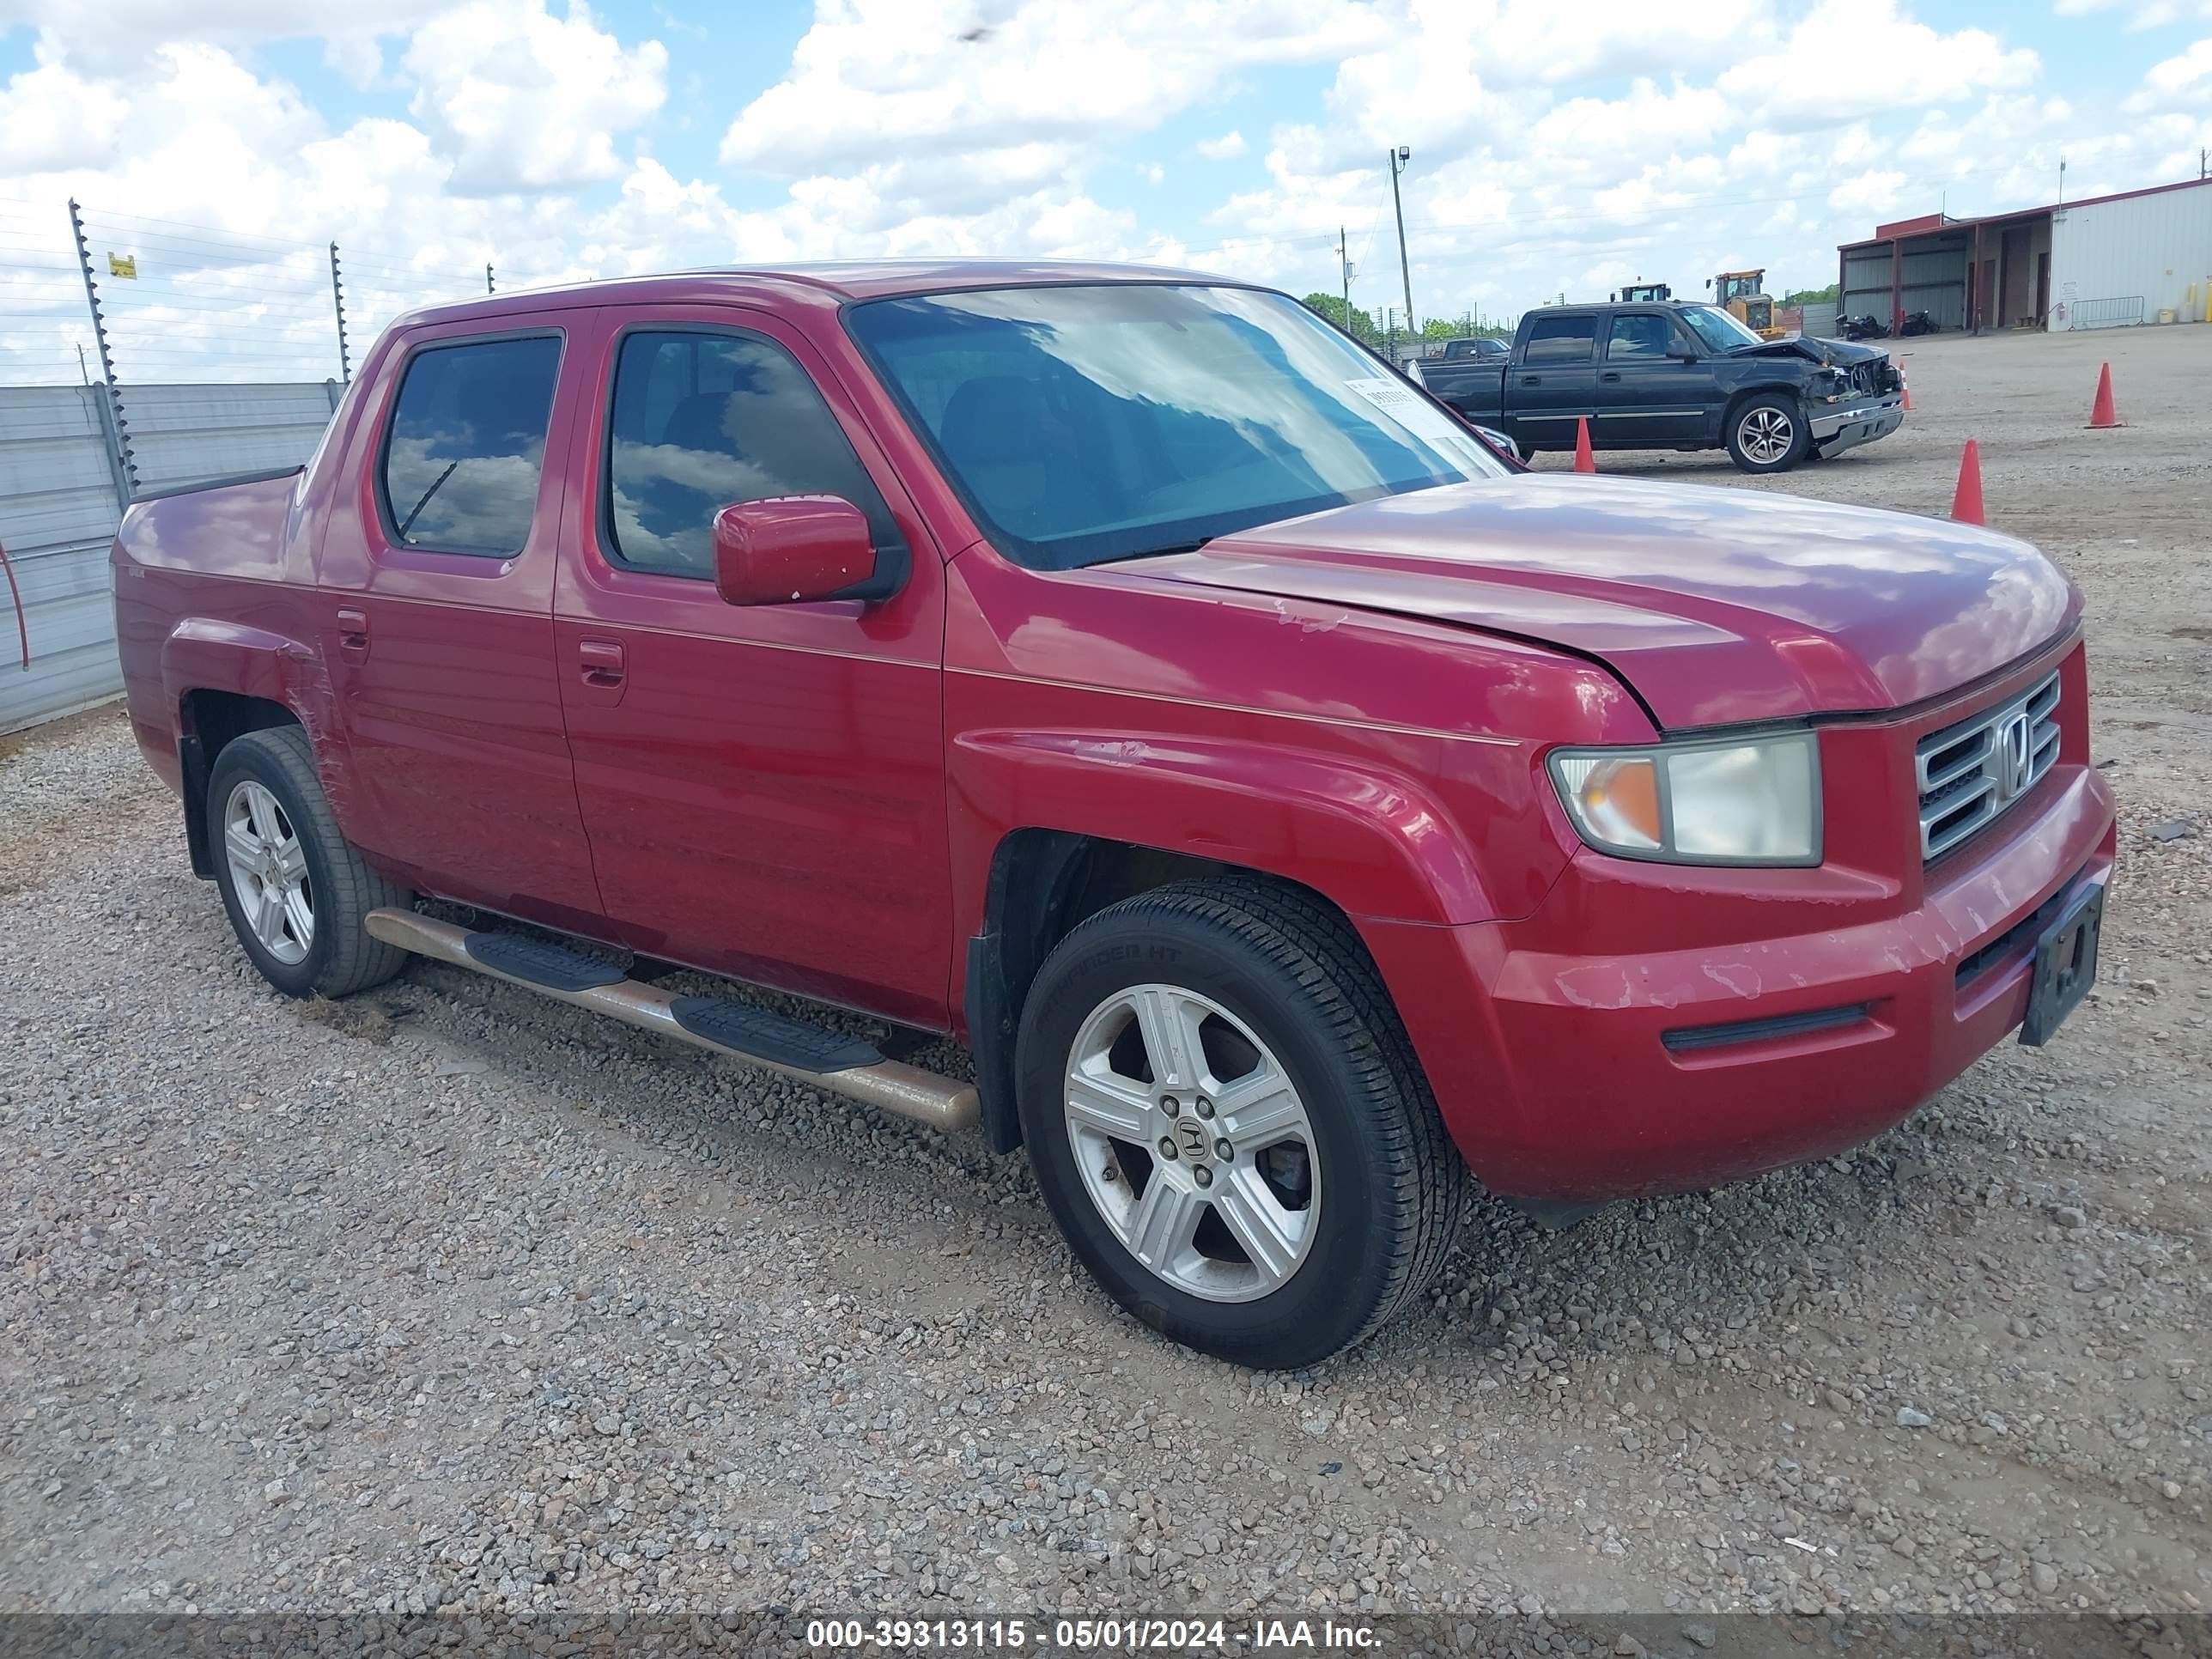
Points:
(488, 287)
(1398, 158)
(1344, 266)
(2204, 162)
(2062, 179)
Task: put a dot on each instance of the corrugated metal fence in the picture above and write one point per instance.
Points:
(59, 509)
(218, 345)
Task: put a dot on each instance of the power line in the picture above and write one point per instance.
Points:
(1684, 205)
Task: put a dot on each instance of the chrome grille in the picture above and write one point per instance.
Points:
(1969, 772)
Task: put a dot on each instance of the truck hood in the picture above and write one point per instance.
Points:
(1813, 349)
(1715, 605)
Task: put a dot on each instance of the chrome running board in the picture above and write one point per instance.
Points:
(840, 1064)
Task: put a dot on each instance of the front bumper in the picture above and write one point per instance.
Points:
(1685, 1060)
(1835, 429)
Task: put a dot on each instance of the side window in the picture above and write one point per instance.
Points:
(702, 420)
(466, 443)
(1561, 339)
(1637, 338)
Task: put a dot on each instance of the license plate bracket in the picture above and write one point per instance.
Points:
(2065, 965)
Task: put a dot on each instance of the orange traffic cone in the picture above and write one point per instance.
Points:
(1967, 500)
(1907, 389)
(2101, 414)
(1584, 461)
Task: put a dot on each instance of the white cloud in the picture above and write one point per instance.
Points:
(2146, 14)
(52, 117)
(1646, 118)
(115, 33)
(525, 101)
(2181, 82)
(1919, 66)
(882, 77)
(1555, 148)
(1877, 191)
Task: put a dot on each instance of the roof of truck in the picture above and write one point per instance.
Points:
(833, 283)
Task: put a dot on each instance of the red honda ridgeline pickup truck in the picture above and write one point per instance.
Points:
(1285, 798)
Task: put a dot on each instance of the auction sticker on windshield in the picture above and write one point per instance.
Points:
(1385, 393)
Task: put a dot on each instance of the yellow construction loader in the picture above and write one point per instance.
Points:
(1742, 295)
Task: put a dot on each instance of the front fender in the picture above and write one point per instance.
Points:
(1374, 841)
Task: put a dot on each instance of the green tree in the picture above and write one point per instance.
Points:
(1463, 327)
(1329, 308)
(1811, 296)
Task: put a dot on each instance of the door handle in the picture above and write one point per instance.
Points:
(603, 662)
(1532, 380)
(353, 633)
(1611, 377)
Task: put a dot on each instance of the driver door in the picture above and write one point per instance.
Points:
(1645, 396)
(762, 787)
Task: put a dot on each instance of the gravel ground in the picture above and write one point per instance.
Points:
(449, 1297)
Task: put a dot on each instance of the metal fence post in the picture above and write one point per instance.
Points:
(337, 301)
(113, 427)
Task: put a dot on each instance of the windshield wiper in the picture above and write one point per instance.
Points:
(1157, 552)
(408, 523)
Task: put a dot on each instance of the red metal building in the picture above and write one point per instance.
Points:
(2120, 258)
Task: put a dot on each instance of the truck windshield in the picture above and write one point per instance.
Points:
(1718, 329)
(1087, 423)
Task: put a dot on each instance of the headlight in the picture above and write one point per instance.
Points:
(1745, 801)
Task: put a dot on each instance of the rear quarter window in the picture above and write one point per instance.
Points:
(1560, 340)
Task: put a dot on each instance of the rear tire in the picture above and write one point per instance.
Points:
(295, 890)
(1768, 434)
(1312, 1191)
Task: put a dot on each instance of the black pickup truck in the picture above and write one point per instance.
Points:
(1674, 376)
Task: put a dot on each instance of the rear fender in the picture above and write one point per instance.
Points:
(202, 653)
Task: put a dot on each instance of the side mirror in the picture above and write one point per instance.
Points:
(792, 549)
(1682, 354)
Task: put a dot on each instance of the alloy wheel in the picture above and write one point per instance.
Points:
(269, 872)
(1766, 434)
(1193, 1143)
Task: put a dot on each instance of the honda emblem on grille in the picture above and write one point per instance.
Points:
(2016, 755)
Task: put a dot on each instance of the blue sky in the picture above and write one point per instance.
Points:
(1556, 148)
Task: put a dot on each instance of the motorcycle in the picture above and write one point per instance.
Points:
(1863, 328)
(1919, 322)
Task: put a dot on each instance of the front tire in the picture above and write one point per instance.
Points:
(295, 890)
(1768, 434)
(1227, 1121)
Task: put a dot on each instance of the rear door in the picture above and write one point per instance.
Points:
(435, 582)
(1643, 395)
(1552, 383)
(764, 785)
